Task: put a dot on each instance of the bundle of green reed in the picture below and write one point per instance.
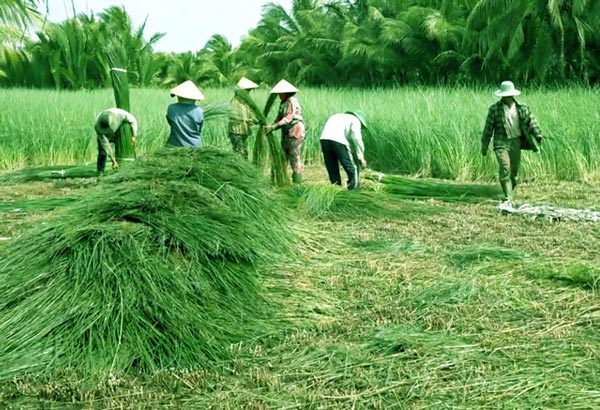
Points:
(38, 204)
(278, 167)
(50, 172)
(407, 187)
(156, 267)
(333, 202)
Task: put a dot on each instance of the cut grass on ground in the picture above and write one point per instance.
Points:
(454, 307)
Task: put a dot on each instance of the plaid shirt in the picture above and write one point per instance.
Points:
(495, 125)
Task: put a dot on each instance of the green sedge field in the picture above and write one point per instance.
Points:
(385, 301)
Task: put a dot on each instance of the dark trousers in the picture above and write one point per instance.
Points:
(101, 161)
(336, 154)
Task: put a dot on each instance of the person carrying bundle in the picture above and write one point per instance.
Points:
(342, 143)
(241, 119)
(289, 120)
(513, 128)
(107, 125)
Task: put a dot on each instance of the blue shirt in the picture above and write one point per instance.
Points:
(186, 125)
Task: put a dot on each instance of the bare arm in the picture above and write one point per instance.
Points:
(107, 147)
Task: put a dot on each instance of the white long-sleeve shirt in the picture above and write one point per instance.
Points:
(345, 129)
(116, 117)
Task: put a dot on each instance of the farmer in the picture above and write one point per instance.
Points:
(185, 117)
(241, 119)
(289, 119)
(107, 124)
(512, 126)
(342, 143)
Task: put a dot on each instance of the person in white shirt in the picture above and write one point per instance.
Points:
(342, 144)
(106, 125)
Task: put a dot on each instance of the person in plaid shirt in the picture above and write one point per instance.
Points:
(513, 128)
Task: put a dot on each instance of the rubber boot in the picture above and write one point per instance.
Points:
(507, 190)
(514, 183)
(296, 178)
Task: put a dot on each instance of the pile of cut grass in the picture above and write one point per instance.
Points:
(156, 267)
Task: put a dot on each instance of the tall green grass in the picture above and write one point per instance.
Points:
(432, 132)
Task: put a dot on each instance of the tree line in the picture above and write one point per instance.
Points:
(361, 43)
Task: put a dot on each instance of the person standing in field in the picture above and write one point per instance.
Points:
(342, 143)
(241, 119)
(289, 120)
(184, 117)
(107, 124)
(512, 127)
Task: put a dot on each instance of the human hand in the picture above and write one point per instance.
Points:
(363, 162)
(268, 128)
(134, 141)
(115, 165)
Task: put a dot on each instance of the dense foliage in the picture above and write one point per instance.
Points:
(317, 42)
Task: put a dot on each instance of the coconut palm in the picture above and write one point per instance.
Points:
(301, 44)
(527, 36)
(126, 44)
(18, 13)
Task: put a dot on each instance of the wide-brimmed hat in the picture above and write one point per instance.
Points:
(507, 89)
(283, 87)
(187, 90)
(246, 84)
(360, 115)
(106, 123)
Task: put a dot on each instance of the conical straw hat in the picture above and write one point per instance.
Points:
(187, 90)
(246, 84)
(283, 87)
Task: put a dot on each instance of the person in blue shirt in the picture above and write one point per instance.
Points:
(184, 117)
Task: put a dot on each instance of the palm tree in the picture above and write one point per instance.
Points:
(18, 13)
(182, 67)
(530, 36)
(299, 45)
(127, 45)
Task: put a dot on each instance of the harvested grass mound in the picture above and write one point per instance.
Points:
(157, 267)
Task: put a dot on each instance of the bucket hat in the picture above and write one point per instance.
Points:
(283, 87)
(507, 89)
(360, 115)
(246, 84)
(187, 90)
(106, 123)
